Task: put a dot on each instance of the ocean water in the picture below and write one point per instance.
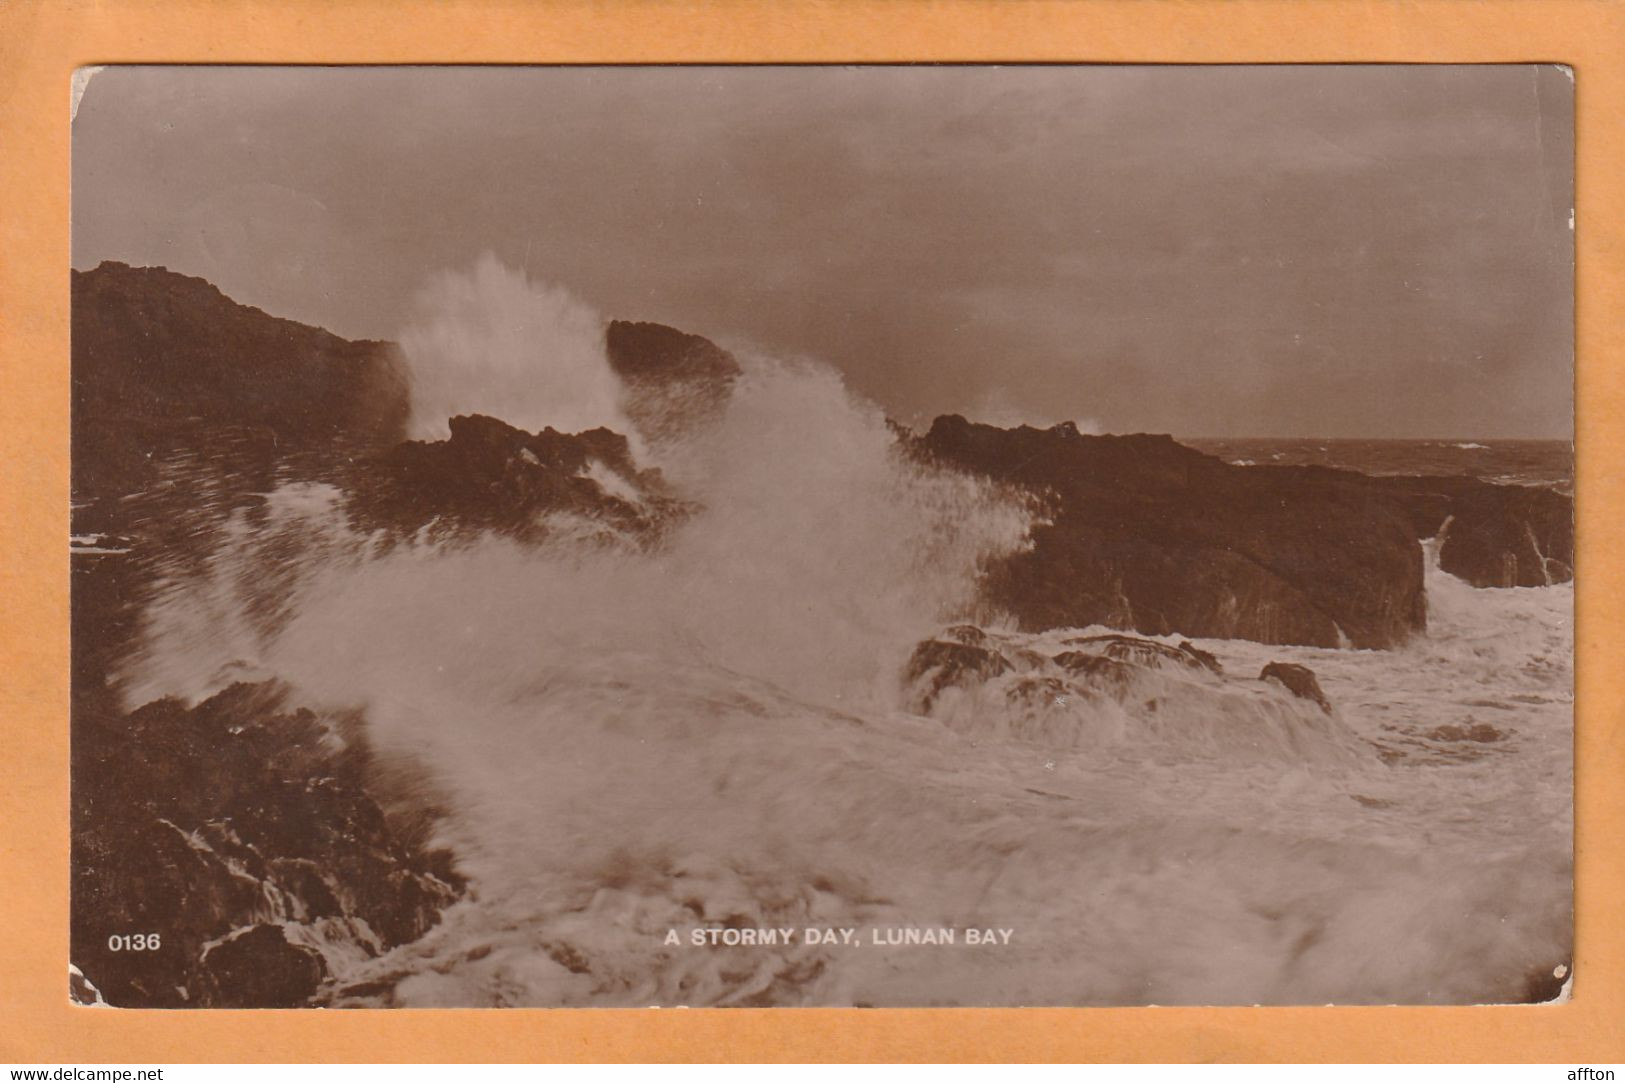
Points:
(636, 749)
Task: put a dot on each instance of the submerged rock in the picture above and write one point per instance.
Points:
(1148, 535)
(1098, 671)
(1544, 984)
(938, 664)
(1299, 680)
(1491, 535)
(80, 991)
(257, 968)
(157, 356)
(1115, 690)
(965, 656)
(966, 633)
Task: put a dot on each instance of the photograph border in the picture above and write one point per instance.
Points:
(42, 43)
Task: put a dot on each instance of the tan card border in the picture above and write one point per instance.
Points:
(42, 41)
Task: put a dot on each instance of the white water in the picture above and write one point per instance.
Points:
(715, 735)
(487, 340)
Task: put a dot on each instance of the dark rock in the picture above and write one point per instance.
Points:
(258, 968)
(80, 991)
(1299, 680)
(1544, 984)
(198, 822)
(654, 352)
(937, 664)
(1492, 535)
(159, 355)
(674, 381)
(569, 957)
(1099, 672)
(1145, 652)
(489, 475)
(1145, 534)
(1478, 733)
(1034, 691)
(1207, 659)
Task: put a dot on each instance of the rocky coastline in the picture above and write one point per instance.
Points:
(269, 844)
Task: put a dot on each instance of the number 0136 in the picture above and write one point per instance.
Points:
(133, 942)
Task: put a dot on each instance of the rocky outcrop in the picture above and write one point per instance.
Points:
(1144, 534)
(1299, 680)
(244, 836)
(264, 845)
(674, 381)
(257, 966)
(157, 355)
(490, 476)
(261, 843)
(655, 353)
(938, 664)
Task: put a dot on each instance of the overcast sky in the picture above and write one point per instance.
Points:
(1208, 251)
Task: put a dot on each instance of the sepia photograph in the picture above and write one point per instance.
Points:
(893, 535)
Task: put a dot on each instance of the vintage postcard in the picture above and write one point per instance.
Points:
(832, 535)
